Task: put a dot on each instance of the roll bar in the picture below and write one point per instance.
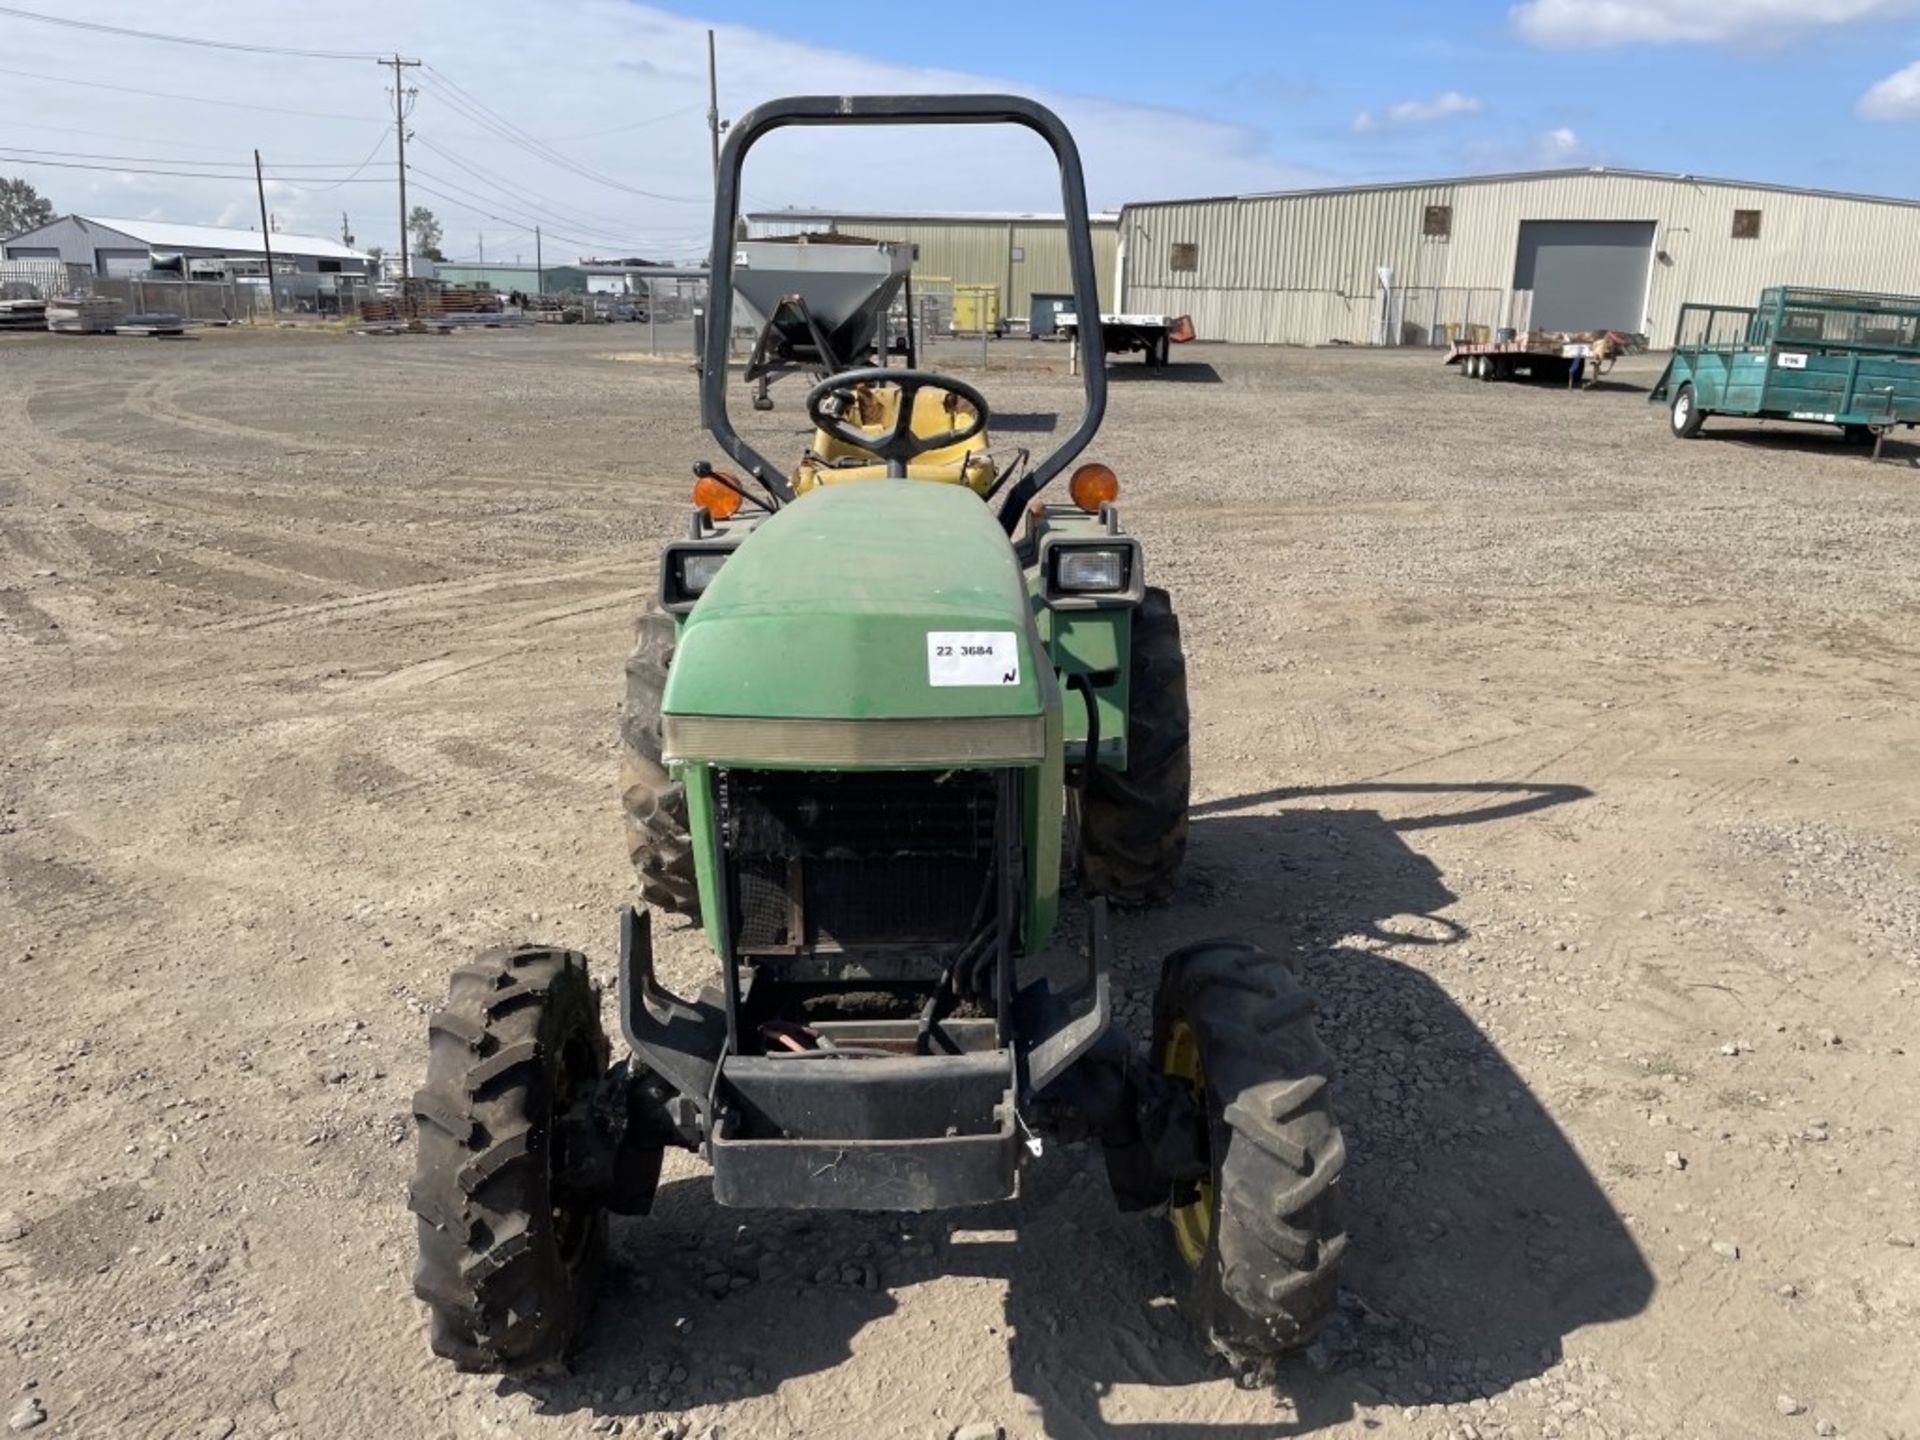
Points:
(899, 110)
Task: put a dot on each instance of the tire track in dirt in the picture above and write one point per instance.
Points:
(411, 597)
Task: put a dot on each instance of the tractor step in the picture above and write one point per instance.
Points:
(822, 1131)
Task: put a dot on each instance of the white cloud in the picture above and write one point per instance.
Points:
(624, 83)
(1595, 24)
(1895, 98)
(1445, 105)
(1556, 149)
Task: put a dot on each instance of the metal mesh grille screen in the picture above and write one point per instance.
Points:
(881, 858)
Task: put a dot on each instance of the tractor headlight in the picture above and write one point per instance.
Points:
(697, 569)
(1090, 570)
(687, 569)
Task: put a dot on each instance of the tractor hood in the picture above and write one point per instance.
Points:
(883, 623)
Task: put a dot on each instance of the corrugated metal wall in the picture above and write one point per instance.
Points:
(975, 252)
(1302, 268)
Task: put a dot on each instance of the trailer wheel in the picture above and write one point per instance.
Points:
(1687, 417)
(1858, 434)
(1489, 367)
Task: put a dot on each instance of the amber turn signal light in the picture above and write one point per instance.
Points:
(715, 496)
(1092, 486)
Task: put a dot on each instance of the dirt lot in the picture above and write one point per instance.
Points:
(1577, 763)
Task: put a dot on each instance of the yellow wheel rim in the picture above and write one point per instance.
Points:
(1192, 1222)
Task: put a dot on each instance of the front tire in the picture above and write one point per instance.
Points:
(653, 802)
(507, 1264)
(1686, 417)
(1133, 823)
(1255, 1250)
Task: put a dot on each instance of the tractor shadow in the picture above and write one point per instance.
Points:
(1479, 1239)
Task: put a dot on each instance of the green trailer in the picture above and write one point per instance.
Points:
(1824, 357)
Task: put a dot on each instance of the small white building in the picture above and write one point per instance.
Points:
(117, 248)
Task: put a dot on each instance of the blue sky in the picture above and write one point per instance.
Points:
(586, 118)
(1750, 94)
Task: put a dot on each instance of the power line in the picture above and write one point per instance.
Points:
(478, 112)
(527, 214)
(354, 173)
(177, 160)
(178, 174)
(185, 39)
(528, 218)
(13, 124)
(517, 226)
(558, 208)
(191, 99)
(622, 129)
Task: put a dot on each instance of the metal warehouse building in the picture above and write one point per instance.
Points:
(1021, 255)
(113, 248)
(1421, 263)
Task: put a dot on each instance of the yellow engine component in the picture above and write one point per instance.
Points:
(827, 462)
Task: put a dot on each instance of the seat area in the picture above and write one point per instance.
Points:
(829, 461)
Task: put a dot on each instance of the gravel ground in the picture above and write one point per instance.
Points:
(1575, 764)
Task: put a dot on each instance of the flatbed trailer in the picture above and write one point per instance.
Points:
(1152, 335)
(1539, 357)
(1843, 358)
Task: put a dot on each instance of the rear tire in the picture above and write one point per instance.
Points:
(654, 803)
(1686, 416)
(1858, 434)
(507, 1267)
(1255, 1251)
(1133, 824)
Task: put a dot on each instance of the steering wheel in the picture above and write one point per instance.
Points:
(897, 444)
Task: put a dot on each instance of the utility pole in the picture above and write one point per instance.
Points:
(713, 106)
(539, 269)
(346, 231)
(266, 233)
(481, 241)
(400, 94)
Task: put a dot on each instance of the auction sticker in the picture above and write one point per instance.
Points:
(1792, 360)
(973, 657)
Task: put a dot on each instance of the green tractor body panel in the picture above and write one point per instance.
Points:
(835, 609)
(1091, 642)
(891, 609)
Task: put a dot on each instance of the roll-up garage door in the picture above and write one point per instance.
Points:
(1585, 274)
(121, 262)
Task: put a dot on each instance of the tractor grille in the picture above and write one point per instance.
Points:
(844, 859)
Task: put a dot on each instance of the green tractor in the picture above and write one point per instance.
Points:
(891, 705)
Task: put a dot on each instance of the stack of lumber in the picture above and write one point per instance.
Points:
(466, 301)
(1554, 342)
(429, 304)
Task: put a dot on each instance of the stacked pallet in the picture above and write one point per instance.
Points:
(158, 322)
(23, 314)
(82, 316)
